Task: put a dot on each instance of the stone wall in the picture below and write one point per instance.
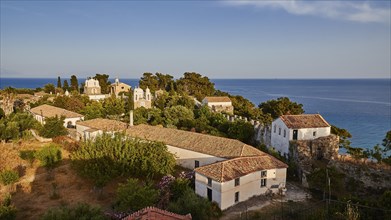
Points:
(304, 152)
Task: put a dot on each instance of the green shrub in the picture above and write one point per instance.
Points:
(49, 155)
(79, 211)
(198, 207)
(134, 196)
(8, 177)
(7, 211)
(28, 155)
(108, 157)
(53, 127)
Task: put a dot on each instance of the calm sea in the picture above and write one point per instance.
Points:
(362, 106)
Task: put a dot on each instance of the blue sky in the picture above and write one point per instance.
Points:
(220, 39)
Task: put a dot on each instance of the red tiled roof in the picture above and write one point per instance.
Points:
(153, 213)
(231, 169)
(217, 99)
(202, 143)
(52, 111)
(103, 124)
(304, 121)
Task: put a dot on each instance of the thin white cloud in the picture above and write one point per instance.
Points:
(358, 11)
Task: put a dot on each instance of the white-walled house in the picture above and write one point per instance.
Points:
(219, 103)
(236, 180)
(288, 128)
(42, 112)
(193, 149)
(219, 163)
(91, 128)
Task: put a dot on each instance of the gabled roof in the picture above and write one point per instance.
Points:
(234, 168)
(104, 124)
(304, 121)
(217, 99)
(52, 111)
(202, 143)
(153, 213)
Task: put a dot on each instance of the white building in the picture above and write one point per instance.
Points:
(288, 128)
(42, 112)
(91, 128)
(236, 180)
(219, 103)
(218, 162)
(141, 98)
(93, 90)
(92, 87)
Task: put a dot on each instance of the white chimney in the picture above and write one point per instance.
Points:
(131, 118)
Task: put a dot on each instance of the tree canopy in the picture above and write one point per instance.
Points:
(281, 106)
(134, 195)
(53, 127)
(74, 83)
(104, 82)
(107, 157)
(195, 84)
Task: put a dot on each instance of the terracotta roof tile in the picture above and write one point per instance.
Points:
(231, 169)
(217, 99)
(103, 124)
(304, 121)
(52, 111)
(202, 143)
(153, 213)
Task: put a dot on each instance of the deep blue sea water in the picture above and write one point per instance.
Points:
(362, 106)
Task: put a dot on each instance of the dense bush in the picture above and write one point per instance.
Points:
(7, 210)
(109, 156)
(49, 155)
(133, 196)
(198, 207)
(28, 155)
(53, 127)
(8, 177)
(79, 211)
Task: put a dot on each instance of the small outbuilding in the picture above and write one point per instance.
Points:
(219, 104)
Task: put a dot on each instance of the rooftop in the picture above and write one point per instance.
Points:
(153, 213)
(202, 143)
(217, 99)
(231, 169)
(304, 121)
(103, 124)
(52, 111)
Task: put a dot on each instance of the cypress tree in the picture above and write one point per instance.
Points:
(59, 82)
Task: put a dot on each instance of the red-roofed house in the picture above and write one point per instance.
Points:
(231, 181)
(297, 127)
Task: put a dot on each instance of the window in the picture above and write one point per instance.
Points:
(264, 174)
(284, 133)
(236, 197)
(275, 128)
(196, 164)
(279, 131)
(209, 182)
(263, 182)
(237, 181)
(314, 133)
